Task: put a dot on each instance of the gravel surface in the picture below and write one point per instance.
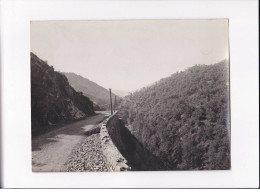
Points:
(88, 157)
(52, 150)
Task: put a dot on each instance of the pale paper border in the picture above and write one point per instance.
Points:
(16, 139)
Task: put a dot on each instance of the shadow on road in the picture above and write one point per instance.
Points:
(79, 128)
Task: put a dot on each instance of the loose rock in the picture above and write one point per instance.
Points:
(89, 156)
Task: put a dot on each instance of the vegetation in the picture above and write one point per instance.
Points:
(184, 119)
(53, 100)
(99, 95)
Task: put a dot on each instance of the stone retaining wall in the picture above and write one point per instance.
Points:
(114, 159)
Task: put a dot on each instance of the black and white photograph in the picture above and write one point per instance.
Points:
(130, 95)
(133, 95)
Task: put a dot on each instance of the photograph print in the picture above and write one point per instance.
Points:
(130, 95)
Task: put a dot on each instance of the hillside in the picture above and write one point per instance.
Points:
(53, 100)
(184, 119)
(95, 92)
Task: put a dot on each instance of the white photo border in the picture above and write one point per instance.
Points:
(15, 84)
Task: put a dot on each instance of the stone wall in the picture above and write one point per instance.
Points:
(137, 157)
(114, 159)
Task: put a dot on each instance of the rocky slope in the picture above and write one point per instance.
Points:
(99, 95)
(53, 100)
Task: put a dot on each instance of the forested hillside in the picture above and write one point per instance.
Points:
(53, 100)
(95, 92)
(184, 119)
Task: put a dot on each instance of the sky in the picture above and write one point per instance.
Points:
(129, 54)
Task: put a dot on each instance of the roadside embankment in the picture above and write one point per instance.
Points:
(123, 150)
(114, 159)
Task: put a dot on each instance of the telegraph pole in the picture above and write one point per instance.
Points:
(111, 108)
(115, 105)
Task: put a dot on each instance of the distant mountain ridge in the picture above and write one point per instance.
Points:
(121, 93)
(98, 94)
(53, 100)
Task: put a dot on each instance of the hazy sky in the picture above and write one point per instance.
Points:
(127, 55)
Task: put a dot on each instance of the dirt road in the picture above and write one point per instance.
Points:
(52, 150)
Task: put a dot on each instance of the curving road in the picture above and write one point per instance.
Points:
(52, 150)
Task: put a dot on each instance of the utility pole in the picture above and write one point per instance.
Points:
(111, 108)
(115, 105)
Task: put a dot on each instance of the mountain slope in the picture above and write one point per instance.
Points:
(53, 100)
(184, 119)
(95, 92)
